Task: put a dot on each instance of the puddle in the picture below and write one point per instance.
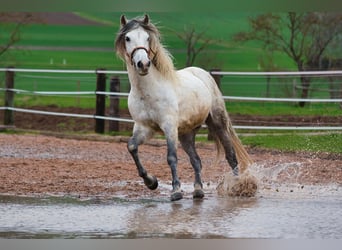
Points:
(273, 214)
(283, 208)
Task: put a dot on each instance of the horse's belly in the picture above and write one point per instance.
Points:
(193, 113)
(187, 126)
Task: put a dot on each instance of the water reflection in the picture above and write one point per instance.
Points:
(214, 217)
(198, 219)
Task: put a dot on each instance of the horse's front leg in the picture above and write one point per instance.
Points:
(172, 160)
(139, 136)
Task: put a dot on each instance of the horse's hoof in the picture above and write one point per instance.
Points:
(151, 182)
(236, 171)
(175, 196)
(198, 194)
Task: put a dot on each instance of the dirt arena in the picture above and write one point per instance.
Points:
(100, 166)
(92, 165)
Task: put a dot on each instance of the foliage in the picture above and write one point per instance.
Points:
(87, 46)
(196, 42)
(304, 37)
(91, 47)
(10, 34)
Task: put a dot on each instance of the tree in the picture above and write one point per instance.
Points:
(11, 33)
(304, 37)
(195, 42)
(266, 62)
(335, 82)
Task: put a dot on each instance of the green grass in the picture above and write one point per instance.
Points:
(285, 86)
(45, 59)
(328, 142)
(271, 109)
(222, 54)
(218, 26)
(67, 35)
(290, 141)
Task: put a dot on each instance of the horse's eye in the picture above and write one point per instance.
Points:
(128, 39)
(148, 39)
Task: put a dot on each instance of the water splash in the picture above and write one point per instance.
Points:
(244, 185)
(280, 172)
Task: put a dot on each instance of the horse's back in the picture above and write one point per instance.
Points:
(195, 97)
(198, 77)
(195, 82)
(195, 71)
(200, 80)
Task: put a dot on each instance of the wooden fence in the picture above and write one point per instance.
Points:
(100, 108)
(115, 94)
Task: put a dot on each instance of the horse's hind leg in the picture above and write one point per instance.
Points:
(139, 136)
(188, 144)
(218, 129)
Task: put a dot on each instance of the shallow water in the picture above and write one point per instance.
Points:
(289, 212)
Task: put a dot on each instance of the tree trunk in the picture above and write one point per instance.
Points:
(305, 90)
(305, 81)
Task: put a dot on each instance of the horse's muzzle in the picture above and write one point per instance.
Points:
(140, 59)
(143, 67)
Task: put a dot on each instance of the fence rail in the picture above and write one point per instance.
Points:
(41, 112)
(284, 73)
(10, 90)
(21, 91)
(68, 71)
(107, 93)
(213, 72)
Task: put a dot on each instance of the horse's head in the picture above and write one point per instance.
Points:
(134, 41)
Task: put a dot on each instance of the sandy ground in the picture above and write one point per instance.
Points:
(101, 166)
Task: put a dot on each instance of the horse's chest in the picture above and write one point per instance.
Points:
(148, 108)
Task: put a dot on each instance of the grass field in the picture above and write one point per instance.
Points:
(91, 47)
(329, 142)
(254, 87)
(219, 27)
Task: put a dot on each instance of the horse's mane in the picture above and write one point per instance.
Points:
(160, 56)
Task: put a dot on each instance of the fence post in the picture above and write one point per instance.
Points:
(217, 79)
(9, 98)
(114, 106)
(100, 102)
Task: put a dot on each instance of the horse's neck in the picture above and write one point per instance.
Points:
(144, 84)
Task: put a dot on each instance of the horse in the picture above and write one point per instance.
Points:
(173, 102)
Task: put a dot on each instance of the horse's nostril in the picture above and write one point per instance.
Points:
(149, 64)
(140, 64)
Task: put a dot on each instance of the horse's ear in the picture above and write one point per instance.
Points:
(123, 20)
(146, 19)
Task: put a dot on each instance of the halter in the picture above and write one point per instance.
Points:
(137, 48)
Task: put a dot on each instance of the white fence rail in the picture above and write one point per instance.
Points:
(41, 112)
(121, 94)
(284, 73)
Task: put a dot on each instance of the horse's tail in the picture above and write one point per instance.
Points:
(243, 157)
(219, 115)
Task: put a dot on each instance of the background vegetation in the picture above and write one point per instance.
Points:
(90, 47)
